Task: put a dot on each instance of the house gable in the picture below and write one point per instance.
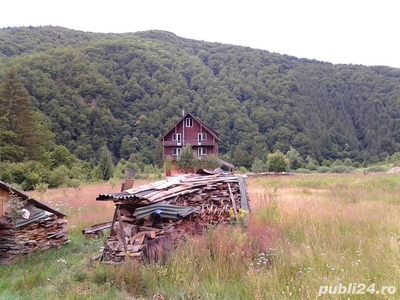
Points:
(194, 124)
(189, 130)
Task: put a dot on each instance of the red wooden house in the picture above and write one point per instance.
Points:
(190, 130)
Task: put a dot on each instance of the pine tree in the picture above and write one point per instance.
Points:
(22, 130)
(105, 166)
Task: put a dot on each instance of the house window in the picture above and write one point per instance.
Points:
(176, 151)
(189, 122)
(176, 137)
(201, 137)
(201, 151)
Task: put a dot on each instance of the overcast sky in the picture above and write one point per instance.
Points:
(338, 31)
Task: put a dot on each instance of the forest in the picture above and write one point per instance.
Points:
(73, 102)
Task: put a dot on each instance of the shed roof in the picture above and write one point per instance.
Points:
(34, 203)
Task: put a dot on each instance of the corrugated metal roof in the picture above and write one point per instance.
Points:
(6, 187)
(168, 188)
(165, 211)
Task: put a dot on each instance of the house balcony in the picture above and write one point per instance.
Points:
(176, 157)
(193, 142)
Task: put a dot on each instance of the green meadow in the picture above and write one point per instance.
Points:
(308, 237)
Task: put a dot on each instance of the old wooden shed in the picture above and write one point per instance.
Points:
(30, 227)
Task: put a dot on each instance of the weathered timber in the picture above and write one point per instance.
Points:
(169, 211)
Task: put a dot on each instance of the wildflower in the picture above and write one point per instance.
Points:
(61, 260)
(300, 272)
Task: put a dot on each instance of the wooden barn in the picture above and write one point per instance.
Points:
(27, 225)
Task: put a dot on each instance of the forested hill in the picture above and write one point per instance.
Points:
(126, 90)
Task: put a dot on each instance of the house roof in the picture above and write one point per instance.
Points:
(205, 126)
(6, 187)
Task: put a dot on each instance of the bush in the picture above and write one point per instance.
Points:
(59, 177)
(374, 169)
(258, 166)
(27, 174)
(277, 162)
(187, 161)
(242, 170)
(326, 163)
(302, 171)
(341, 169)
(323, 169)
(209, 162)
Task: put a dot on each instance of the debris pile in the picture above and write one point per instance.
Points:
(152, 218)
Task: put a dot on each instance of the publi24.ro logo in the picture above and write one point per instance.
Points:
(356, 289)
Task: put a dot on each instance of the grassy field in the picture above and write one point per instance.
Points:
(308, 235)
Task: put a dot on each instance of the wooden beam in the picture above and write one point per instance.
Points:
(122, 230)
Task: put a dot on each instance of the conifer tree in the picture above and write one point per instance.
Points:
(105, 166)
(22, 132)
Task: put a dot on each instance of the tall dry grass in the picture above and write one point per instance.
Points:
(335, 229)
(305, 231)
(80, 205)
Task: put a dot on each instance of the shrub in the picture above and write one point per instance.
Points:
(59, 177)
(258, 166)
(326, 163)
(27, 174)
(341, 169)
(302, 171)
(375, 169)
(187, 161)
(323, 169)
(209, 162)
(242, 170)
(277, 162)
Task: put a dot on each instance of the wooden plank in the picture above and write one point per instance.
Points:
(233, 201)
(96, 228)
(122, 229)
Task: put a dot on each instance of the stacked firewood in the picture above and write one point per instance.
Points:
(44, 234)
(145, 227)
